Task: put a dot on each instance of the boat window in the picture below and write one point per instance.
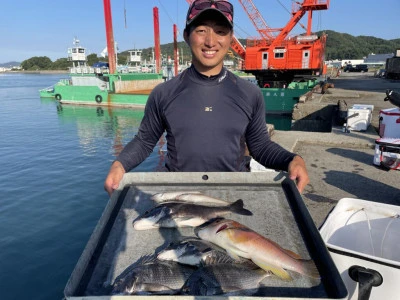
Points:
(279, 55)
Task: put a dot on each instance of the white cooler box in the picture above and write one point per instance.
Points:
(363, 239)
(359, 117)
(387, 153)
(389, 123)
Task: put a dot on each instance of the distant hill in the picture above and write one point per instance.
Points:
(10, 64)
(346, 46)
(339, 46)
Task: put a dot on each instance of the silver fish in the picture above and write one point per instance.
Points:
(159, 197)
(187, 196)
(201, 198)
(182, 214)
(224, 279)
(196, 252)
(152, 277)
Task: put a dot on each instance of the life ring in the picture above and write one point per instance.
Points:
(267, 85)
(58, 96)
(98, 99)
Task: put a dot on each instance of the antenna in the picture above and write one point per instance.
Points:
(76, 41)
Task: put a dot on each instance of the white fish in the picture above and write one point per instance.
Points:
(200, 198)
(187, 196)
(159, 197)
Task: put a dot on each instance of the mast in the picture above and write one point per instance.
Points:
(175, 29)
(157, 46)
(109, 36)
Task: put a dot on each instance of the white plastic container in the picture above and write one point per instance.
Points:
(363, 106)
(389, 123)
(365, 234)
(387, 153)
(359, 118)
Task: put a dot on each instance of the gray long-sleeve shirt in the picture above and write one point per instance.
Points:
(208, 122)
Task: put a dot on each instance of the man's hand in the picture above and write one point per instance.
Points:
(114, 177)
(298, 172)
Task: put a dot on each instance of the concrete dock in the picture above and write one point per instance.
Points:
(340, 164)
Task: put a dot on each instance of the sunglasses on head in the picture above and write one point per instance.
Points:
(198, 6)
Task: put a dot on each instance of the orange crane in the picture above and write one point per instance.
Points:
(276, 61)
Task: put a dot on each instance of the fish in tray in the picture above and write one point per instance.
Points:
(188, 196)
(194, 251)
(218, 277)
(240, 241)
(152, 276)
(182, 214)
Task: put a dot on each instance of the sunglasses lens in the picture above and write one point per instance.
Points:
(224, 6)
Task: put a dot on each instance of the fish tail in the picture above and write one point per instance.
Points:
(310, 269)
(277, 270)
(237, 207)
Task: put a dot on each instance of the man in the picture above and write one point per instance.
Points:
(208, 113)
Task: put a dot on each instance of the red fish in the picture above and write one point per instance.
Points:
(240, 241)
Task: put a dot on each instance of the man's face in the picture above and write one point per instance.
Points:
(209, 41)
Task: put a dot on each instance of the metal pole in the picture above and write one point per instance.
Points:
(109, 36)
(157, 46)
(175, 50)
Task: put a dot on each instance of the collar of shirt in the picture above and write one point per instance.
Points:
(203, 79)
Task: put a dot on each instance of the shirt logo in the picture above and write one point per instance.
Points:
(223, 76)
(208, 108)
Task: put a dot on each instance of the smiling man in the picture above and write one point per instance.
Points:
(208, 113)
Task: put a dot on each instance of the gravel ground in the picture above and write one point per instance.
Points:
(340, 165)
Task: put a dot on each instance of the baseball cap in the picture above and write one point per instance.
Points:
(198, 7)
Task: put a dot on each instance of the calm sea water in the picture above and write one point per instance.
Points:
(53, 160)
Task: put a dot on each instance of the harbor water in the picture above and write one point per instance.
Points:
(54, 160)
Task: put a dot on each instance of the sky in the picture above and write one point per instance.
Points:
(48, 27)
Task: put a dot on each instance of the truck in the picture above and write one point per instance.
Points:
(393, 66)
(356, 68)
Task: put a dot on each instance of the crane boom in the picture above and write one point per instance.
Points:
(236, 45)
(298, 13)
(257, 20)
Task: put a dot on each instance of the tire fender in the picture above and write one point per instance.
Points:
(98, 99)
(58, 97)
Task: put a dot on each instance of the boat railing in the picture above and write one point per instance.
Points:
(48, 89)
(82, 70)
(64, 82)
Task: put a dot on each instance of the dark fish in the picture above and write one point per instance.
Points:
(152, 277)
(182, 214)
(194, 251)
(224, 279)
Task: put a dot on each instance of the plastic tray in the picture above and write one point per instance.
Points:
(279, 214)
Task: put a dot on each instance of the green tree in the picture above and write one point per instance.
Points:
(61, 64)
(37, 63)
(91, 59)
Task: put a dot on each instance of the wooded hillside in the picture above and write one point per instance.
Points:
(339, 46)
